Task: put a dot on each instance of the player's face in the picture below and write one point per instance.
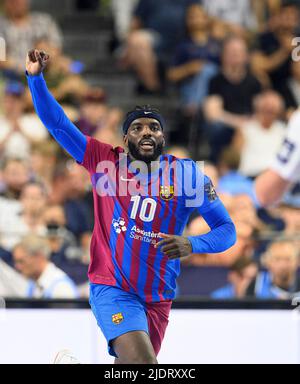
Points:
(145, 140)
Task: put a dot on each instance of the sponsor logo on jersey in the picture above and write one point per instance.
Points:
(119, 225)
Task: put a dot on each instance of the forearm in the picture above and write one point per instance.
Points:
(270, 187)
(263, 63)
(55, 120)
(232, 120)
(222, 235)
(181, 72)
(218, 240)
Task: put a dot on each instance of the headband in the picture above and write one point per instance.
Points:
(139, 114)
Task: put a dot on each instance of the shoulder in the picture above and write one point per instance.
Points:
(41, 17)
(294, 127)
(97, 152)
(218, 78)
(252, 80)
(105, 150)
(3, 21)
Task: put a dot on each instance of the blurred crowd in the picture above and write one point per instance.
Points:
(232, 67)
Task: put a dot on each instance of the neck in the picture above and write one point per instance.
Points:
(42, 267)
(19, 19)
(32, 219)
(199, 36)
(234, 74)
(264, 124)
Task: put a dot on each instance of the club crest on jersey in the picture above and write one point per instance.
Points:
(166, 192)
(117, 318)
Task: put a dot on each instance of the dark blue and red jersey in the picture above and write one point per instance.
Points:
(127, 223)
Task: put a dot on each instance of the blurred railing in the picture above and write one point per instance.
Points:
(186, 303)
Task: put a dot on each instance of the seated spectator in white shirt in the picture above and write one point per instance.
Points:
(12, 284)
(20, 218)
(31, 257)
(260, 139)
(237, 12)
(15, 174)
(21, 28)
(18, 130)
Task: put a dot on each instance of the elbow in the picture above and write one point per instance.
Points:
(171, 76)
(233, 235)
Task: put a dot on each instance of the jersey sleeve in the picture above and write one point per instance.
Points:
(97, 152)
(199, 190)
(287, 162)
(54, 118)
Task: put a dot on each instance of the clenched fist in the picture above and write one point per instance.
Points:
(36, 62)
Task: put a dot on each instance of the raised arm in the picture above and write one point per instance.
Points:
(49, 111)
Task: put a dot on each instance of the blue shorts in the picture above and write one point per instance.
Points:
(118, 312)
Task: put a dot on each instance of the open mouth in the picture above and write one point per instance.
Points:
(147, 144)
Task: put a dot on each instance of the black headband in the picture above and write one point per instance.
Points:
(139, 114)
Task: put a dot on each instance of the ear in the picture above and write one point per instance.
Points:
(125, 140)
(164, 142)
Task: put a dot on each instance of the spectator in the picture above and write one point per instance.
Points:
(98, 120)
(280, 280)
(12, 284)
(245, 218)
(93, 113)
(239, 13)
(15, 174)
(155, 29)
(271, 61)
(240, 276)
(69, 190)
(31, 257)
(65, 253)
(21, 29)
(43, 161)
(196, 60)
(260, 139)
(23, 217)
(63, 75)
(231, 181)
(231, 95)
(290, 90)
(109, 131)
(264, 10)
(18, 130)
(122, 14)
(179, 152)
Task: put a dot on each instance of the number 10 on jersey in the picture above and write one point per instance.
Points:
(146, 209)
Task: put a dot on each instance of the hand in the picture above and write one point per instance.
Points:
(194, 67)
(175, 247)
(214, 108)
(36, 62)
(286, 42)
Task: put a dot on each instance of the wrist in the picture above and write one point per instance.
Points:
(191, 240)
(29, 74)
